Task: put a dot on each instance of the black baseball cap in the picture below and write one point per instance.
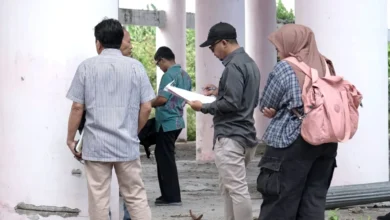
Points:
(220, 31)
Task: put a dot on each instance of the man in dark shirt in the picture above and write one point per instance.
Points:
(235, 139)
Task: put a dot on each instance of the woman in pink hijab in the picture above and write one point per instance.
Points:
(294, 175)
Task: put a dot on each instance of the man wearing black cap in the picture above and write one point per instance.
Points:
(235, 139)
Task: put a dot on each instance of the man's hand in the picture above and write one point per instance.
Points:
(144, 112)
(210, 89)
(269, 112)
(72, 145)
(196, 105)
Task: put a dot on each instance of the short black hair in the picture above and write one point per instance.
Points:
(232, 41)
(109, 33)
(164, 52)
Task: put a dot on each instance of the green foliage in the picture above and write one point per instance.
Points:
(143, 39)
(191, 124)
(283, 14)
(190, 55)
(333, 215)
(388, 60)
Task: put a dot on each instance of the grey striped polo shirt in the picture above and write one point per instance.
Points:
(112, 87)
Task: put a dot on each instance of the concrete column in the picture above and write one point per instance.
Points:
(209, 68)
(260, 21)
(358, 48)
(174, 36)
(43, 43)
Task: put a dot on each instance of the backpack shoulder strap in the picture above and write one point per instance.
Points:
(327, 73)
(310, 72)
(301, 65)
(311, 76)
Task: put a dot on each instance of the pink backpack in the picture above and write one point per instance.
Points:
(330, 107)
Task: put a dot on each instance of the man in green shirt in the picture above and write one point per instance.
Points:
(169, 123)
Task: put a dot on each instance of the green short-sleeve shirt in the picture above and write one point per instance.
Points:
(170, 115)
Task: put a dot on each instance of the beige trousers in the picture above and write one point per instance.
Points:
(131, 187)
(231, 160)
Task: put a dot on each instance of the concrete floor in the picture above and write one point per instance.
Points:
(200, 193)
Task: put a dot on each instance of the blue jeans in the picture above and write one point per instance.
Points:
(126, 213)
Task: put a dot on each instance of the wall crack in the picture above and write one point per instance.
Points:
(46, 211)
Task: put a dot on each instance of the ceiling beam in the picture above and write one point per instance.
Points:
(157, 18)
(142, 17)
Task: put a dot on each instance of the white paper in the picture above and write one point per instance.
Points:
(188, 95)
(79, 145)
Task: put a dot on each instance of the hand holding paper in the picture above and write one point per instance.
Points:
(188, 95)
(195, 105)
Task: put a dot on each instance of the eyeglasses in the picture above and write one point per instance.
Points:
(213, 45)
(158, 62)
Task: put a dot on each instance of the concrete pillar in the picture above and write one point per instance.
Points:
(208, 68)
(43, 43)
(358, 48)
(174, 36)
(260, 21)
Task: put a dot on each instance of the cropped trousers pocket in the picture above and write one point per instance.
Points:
(268, 181)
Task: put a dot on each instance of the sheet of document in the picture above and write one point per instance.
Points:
(188, 95)
(79, 145)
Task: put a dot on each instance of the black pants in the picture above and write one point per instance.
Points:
(294, 181)
(166, 165)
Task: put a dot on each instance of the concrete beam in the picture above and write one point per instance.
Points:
(156, 18)
(142, 17)
(149, 18)
(190, 20)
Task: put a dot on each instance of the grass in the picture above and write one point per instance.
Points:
(334, 215)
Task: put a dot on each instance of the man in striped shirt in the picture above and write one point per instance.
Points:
(117, 94)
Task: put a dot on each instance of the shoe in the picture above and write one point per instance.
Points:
(165, 203)
(159, 198)
(385, 217)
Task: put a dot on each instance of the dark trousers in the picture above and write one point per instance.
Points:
(294, 181)
(166, 165)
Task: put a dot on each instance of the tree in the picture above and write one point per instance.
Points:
(143, 39)
(283, 14)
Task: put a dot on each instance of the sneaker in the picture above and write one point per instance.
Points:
(165, 203)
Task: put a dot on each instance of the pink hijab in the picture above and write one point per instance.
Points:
(299, 41)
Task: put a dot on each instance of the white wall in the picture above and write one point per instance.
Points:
(42, 43)
(358, 49)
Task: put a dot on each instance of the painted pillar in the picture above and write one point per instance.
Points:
(358, 48)
(173, 35)
(260, 21)
(209, 68)
(44, 43)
